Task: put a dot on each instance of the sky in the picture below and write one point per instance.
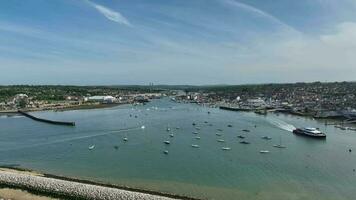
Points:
(198, 42)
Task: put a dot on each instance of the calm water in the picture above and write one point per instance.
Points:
(306, 169)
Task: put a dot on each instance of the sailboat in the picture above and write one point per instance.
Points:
(280, 144)
(91, 147)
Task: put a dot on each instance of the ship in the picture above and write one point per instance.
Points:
(311, 132)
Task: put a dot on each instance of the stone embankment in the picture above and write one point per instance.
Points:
(72, 190)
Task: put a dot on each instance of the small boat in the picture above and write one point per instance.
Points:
(171, 135)
(116, 147)
(221, 140)
(219, 129)
(167, 142)
(226, 148)
(280, 144)
(241, 136)
(143, 127)
(264, 151)
(195, 146)
(177, 128)
(197, 138)
(266, 138)
(197, 128)
(218, 134)
(229, 125)
(165, 151)
(194, 124)
(125, 139)
(195, 132)
(244, 142)
(91, 147)
(168, 129)
(246, 130)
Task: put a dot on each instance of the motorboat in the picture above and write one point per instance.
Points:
(264, 151)
(266, 138)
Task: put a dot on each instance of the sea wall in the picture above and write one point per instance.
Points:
(72, 190)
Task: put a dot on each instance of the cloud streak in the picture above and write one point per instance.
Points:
(259, 12)
(111, 14)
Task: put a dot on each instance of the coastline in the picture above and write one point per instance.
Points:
(54, 186)
(61, 109)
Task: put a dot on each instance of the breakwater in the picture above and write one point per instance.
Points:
(46, 120)
(234, 108)
(69, 189)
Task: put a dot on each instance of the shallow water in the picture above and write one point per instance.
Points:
(306, 169)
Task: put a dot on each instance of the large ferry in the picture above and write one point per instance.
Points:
(311, 132)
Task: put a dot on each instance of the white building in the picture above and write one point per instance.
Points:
(257, 103)
(101, 99)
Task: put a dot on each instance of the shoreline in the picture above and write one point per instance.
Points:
(15, 173)
(62, 109)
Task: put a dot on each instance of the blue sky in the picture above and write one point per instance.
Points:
(176, 41)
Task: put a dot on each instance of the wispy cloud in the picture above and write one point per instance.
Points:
(111, 14)
(259, 12)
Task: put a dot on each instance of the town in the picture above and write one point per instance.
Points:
(319, 100)
(334, 100)
(36, 98)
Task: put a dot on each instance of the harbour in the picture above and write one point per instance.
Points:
(201, 168)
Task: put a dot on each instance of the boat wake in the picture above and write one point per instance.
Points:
(282, 124)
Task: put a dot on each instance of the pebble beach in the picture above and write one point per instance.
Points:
(73, 190)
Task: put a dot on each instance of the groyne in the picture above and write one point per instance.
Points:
(235, 109)
(46, 120)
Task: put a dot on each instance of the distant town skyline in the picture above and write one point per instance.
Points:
(195, 42)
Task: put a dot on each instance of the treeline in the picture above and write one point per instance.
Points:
(60, 92)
